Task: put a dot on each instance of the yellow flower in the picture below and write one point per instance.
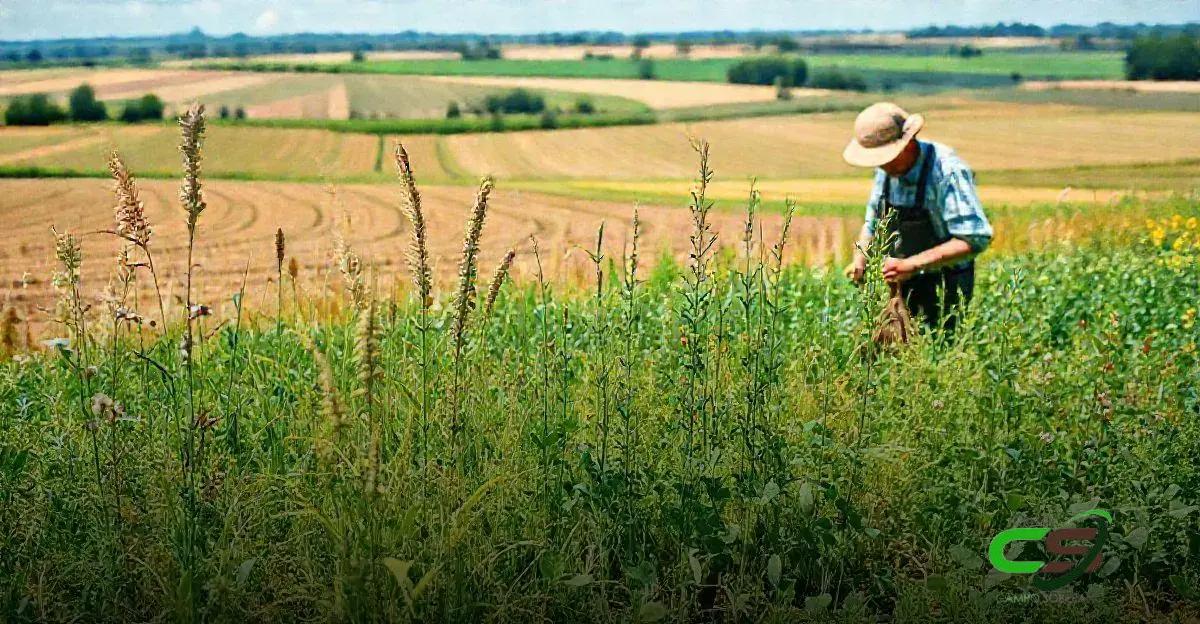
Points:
(1157, 236)
(1176, 221)
(1189, 318)
(1192, 223)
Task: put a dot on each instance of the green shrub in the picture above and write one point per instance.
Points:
(837, 78)
(453, 111)
(515, 101)
(548, 120)
(149, 108)
(1163, 58)
(585, 106)
(764, 71)
(646, 69)
(83, 105)
(33, 110)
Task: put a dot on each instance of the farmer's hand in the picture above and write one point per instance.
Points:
(854, 271)
(896, 270)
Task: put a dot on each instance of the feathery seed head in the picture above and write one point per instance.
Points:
(130, 212)
(280, 248)
(191, 126)
(418, 252)
(498, 278)
(69, 254)
(464, 300)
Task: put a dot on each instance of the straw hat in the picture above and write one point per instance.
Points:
(880, 134)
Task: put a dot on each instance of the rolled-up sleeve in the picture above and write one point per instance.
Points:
(962, 212)
(872, 202)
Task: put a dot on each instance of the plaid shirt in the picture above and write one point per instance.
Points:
(949, 196)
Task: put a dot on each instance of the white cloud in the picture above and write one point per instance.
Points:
(267, 20)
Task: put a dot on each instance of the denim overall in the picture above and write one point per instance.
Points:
(932, 295)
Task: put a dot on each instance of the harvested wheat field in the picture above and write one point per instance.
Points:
(1140, 86)
(237, 230)
(319, 58)
(655, 94)
(658, 50)
(237, 151)
(990, 137)
(173, 86)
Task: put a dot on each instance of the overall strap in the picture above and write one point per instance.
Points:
(923, 179)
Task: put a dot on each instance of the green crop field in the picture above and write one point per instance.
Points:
(664, 69)
(1099, 65)
(694, 437)
(997, 63)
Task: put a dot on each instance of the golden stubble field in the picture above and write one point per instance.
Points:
(237, 232)
(991, 137)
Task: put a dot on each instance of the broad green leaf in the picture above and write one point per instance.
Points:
(965, 557)
(651, 612)
(1137, 537)
(816, 604)
(774, 569)
(694, 564)
(1110, 565)
(399, 570)
(806, 497)
(243, 572)
(579, 580)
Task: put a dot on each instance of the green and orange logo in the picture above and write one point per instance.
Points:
(1062, 542)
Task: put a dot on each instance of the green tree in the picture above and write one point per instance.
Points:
(765, 70)
(33, 110)
(84, 106)
(1163, 58)
(837, 78)
(646, 69)
(147, 108)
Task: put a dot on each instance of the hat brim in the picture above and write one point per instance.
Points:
(859, 156)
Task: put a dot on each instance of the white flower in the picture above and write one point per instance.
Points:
(57, 343)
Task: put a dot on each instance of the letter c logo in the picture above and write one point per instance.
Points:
(1004, 538)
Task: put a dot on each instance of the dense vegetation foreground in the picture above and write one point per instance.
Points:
(716, 440)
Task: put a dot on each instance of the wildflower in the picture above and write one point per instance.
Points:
(125, 314)
(58, 343)
(101, 404)
(1189, 318)
(1046, 437)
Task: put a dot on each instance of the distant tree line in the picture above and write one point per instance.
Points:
(1156, 57)
(39, 109)
(1103, 30)
(785, 72)
(197, 44)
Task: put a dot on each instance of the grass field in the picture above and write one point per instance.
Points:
(290, 95)
(1056, 65)
(709, 436)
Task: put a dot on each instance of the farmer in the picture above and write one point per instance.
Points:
(938, 221)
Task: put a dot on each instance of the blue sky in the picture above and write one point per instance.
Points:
(35, 19)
